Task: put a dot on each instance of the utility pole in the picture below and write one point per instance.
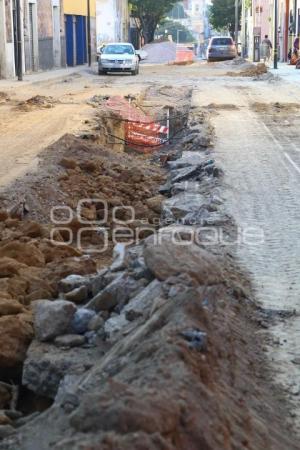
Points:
(178, 31)
(243, 37)
(275, 34)
(19, 42)
(89, 33)
(236, 32)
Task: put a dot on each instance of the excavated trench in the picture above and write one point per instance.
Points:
(57, 163)
(173, 359)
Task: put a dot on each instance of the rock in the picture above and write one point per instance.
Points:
(114, 325)
(70, 340)
(119, 255)
(68, 163)
(10, 307)
(46, 366)
(141, 304)
(3, 215)
(24, 253)
(6, 430)
(12, 414)
(118, 292)
(52, 318)
(5, 396)
(166, 258)
(181, 204)
(188, 158)
(4, 420)
(78, 295)
(10, 267)
(155, 203)
(135, 263)
(101, 280)
(16, 332)
(32, 229)
(72, 282)
(96, 323)
(186, 173)
(81, 320)
(197, 339)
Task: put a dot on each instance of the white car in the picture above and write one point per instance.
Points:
(118, 57)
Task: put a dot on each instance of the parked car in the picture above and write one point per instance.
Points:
(221, 48)
(142, 54)
(118, 57)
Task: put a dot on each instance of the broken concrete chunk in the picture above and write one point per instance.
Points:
(78, 295)
(141, 304)
(52, 318)
(81, 320)
(115, 325)
(46, 365)
(118, 292)
(119, 255)
(168, 257)
(72, 282)
(70, 340)
(182, 204)
(197, 339)
(101, 280)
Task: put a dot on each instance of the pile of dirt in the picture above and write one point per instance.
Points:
(31, 264)
(221, 106)
(30, 268)
(277, 107)
(253, 71)
(36, 102)
(181, 63)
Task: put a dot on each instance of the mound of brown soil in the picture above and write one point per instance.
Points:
(253, 71)
(36, 102)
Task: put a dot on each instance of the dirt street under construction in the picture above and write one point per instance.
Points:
(149, 260)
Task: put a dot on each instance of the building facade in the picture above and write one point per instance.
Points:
(42, 34)
(76, 30)
(258, 21)
(113, 21)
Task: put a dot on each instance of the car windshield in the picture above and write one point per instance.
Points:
(222, 41)
(118, 50)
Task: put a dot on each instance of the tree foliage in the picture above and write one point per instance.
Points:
(149, 14)
(184, 35)
(222, 15)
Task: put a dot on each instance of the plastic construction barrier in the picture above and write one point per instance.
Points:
(184, 55)
(142, 131)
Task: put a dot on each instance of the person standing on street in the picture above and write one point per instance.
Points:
(266, 48)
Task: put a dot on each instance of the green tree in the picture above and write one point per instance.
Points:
(222, 15)
(149, 14)
(184, 34)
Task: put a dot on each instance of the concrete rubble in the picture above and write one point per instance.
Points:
(150, 350)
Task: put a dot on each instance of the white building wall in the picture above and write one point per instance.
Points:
(112, 19)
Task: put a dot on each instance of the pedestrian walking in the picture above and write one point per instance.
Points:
(266, 48)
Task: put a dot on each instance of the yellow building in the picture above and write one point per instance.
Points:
(76, 30)
(79, 7)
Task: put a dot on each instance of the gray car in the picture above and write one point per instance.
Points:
(221, 48)
(118, 57)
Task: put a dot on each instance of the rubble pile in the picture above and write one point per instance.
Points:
(36, 102)
(146, 345)
(252, 70)
(151, 351)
